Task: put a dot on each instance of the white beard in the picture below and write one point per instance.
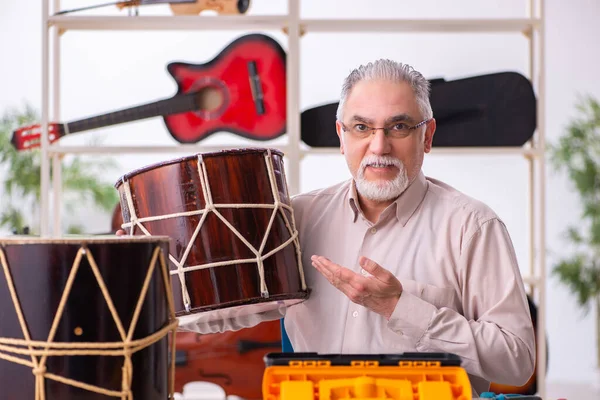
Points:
(381, 190)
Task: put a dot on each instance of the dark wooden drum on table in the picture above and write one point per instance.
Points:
(234, 248)
(85, 319)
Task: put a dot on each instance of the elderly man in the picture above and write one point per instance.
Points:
(404, 262)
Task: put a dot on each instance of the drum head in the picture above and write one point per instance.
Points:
(238, 316)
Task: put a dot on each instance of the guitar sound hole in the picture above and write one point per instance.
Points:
(210, 98)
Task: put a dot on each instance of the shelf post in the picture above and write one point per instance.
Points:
(541, 104)
(44, 162)
(293, 96)
(56, 158)
(533, 144)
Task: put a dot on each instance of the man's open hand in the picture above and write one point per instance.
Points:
(379, 292)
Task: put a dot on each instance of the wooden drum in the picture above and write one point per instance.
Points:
(85, 319)
(234, 245)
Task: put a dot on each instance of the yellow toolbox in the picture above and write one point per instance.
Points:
(406, 376)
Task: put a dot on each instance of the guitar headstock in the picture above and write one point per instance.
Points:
(30, 137)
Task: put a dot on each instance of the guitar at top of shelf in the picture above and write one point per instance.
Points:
(497, 109)
(225, 7)
(242, 91)
(179, 7)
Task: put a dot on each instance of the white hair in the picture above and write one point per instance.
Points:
(392, 71)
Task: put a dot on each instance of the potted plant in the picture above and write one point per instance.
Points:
(578, 153)
(20, 174)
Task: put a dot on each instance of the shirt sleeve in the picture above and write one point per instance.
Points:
(494, 335)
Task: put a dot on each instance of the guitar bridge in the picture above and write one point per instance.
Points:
(255, 85)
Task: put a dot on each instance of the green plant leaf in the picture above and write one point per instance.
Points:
(595, 234)
(75, 230)
(571, 273)
(577, 152)
(13, 218)
(574, 235)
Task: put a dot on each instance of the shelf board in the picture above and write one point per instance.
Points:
(184, 148)
(419, 25)
(168, 22)
(491, 150)
(531, 280)
(190, 148)
(275, 22)
(449, 151)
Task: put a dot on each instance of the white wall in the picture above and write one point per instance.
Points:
(111, 70)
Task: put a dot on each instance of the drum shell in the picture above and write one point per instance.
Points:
(233, 177)
(39, 270)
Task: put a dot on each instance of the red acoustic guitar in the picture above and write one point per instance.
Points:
(242, 91)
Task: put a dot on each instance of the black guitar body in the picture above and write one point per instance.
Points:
(496, 109)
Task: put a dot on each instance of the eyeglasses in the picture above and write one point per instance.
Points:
(397, 130)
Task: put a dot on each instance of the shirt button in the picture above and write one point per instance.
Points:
(373, 230)
(355, 314)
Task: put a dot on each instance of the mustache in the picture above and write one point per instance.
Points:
(385, 160)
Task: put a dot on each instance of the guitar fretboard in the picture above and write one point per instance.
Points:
(175, 105)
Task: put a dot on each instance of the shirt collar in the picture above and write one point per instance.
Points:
(406, 204)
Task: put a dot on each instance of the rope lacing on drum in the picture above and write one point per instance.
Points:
(39, 351)
(278, 208)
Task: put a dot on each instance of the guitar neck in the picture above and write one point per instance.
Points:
(175, 105)
(122, 4)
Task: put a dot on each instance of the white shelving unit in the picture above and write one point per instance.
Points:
(534, 152)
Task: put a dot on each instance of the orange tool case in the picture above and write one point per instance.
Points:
(406, 376)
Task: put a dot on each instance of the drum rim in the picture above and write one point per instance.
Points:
(80, 240)
(225, 152)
